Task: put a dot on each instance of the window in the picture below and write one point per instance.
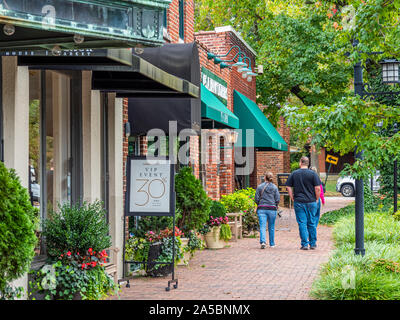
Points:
(54, 141)
(181, 20)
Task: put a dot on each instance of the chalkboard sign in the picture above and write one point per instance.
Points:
(282, 178)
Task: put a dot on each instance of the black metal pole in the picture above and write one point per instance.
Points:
(359, 206)
(395, 187)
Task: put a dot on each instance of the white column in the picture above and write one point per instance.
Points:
(116, 189)
(16, 124)
(91, 126)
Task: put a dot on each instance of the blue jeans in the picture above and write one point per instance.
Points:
(265, 216)
(306, 216)
(318, 214)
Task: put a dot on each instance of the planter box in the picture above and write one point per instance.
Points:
(154, 253)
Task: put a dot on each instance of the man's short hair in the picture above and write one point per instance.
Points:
(305, 161)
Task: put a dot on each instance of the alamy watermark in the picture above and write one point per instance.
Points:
(222, 146)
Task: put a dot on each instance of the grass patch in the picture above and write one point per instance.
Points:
(331, 189)
(376, 276)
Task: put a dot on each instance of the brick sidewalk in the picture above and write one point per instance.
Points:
(244, 271)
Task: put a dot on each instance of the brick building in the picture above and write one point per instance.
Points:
(215, 166)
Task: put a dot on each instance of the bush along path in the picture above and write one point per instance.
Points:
(244, 271)
(376, 276)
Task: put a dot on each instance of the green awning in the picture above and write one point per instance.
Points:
(266, 137)
(215, 115)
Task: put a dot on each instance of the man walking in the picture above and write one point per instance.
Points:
(304, 189)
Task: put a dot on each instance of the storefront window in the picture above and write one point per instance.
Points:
(49, 142)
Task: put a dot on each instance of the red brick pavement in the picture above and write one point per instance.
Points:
(244, 271)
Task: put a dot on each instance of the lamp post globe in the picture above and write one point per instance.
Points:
(390, 71)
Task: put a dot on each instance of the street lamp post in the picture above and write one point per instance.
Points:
(359, 205)
(390, 75)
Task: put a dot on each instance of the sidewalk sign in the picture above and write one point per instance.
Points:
(282, 178)
(150, 191)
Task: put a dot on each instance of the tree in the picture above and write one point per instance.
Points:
(296, 44)
(350, 124)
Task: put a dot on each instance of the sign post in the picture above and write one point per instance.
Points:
(331, 160)
(282, 178)
(150, 191)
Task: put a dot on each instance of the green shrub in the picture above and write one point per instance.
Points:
(217, 209)
(331, 217)
(18, 221)
(243, 201)
(76, 228)
(191, 200)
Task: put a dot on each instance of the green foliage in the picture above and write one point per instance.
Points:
(217, 209)
(243, 201)
(296, 44)
(374, 276)
(347, 124)
(331, 217)
(225, 233)
(18, 221)
(77, 228)
(191, 200)
(239, 201)
(99, 286)
(68, 281)
(167, 251)
(195, 243)
(148, 223)
(59, 281)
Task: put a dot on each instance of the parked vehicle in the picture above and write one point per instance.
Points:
(347, 185)
(35, 189)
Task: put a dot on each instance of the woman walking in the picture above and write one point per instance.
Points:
(267, 199)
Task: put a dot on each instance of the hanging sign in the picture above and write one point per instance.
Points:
(282, 178)
(150, 187)
(215, 84)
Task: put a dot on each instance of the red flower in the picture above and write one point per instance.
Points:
(93, 263)
(69, 253)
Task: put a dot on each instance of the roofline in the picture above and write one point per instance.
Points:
(230, 29)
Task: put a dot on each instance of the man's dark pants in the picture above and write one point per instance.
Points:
(305, 216)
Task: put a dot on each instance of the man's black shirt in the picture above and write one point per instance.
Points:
(303, 182)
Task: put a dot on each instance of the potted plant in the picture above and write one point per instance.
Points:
(77, 238)
(216, 232)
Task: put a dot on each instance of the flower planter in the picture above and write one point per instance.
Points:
(212, 239)
(154, 253)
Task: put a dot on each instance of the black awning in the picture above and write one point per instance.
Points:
(82, 59)
(180, 60)
(142, 79)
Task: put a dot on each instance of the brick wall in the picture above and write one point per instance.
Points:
(220, 43)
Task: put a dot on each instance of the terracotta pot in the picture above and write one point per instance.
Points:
(212, 239)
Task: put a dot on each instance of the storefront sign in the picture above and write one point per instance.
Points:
(116, 20)
(215, 84)
(150, 187)
(282, 178)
